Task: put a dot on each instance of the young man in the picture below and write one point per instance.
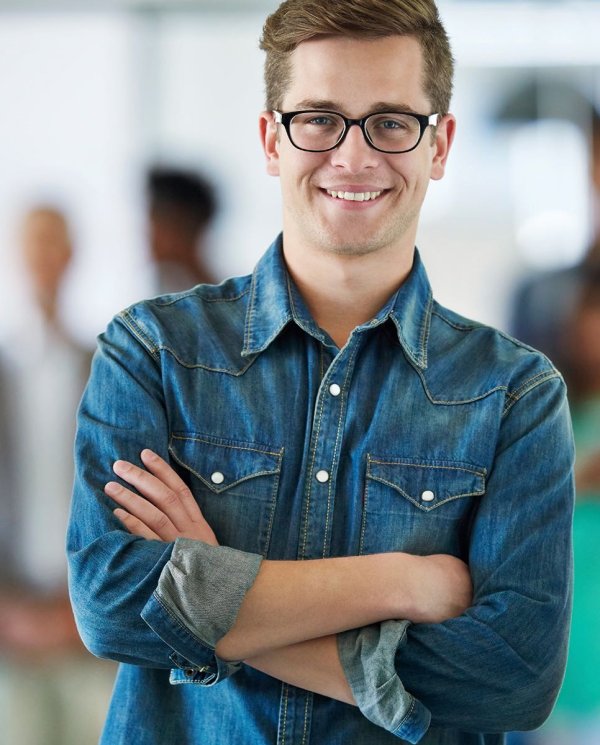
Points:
(310, 458)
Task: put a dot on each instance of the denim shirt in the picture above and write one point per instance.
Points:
(426, 433)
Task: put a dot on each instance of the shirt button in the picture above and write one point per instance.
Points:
(334, 389)
(322, 477)
(427, 496)
(217, 477)
(189, 672)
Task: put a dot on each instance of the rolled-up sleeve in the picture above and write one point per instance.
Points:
(199, 593)
(367, 657)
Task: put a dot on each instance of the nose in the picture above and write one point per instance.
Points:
(355, 154)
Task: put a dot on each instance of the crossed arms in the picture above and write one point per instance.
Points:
(287, 622)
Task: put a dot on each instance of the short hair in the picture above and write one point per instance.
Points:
(296, 21)
(190, 195)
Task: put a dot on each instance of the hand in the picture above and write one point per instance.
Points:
(166, 510)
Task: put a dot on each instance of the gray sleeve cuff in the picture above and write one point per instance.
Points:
(367, 656)
(203, 586)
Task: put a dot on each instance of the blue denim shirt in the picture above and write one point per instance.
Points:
(442, 436)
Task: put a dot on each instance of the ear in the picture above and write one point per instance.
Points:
(444, 137)
(269, 138)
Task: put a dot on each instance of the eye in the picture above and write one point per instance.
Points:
(320, 120)
(317, 119)
(395, 123)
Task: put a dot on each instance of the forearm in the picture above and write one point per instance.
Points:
(313, 665)
(291, 602)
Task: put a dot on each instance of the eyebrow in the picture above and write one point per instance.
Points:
(379, 107)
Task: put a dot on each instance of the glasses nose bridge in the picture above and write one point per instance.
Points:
(361, 123)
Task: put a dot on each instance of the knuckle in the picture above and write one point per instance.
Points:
(182, 491)
(162, 522)
(171, 499)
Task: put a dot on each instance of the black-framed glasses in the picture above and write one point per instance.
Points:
(389, 131)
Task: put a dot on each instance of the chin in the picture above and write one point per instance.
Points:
(354, 244)
(352, 249)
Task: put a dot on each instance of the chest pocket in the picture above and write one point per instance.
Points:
(420, 506)
(235, 485)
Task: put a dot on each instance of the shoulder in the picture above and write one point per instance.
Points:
(472, 360)
(196, 326)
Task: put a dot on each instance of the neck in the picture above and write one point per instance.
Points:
(343, 292)
(47, 302)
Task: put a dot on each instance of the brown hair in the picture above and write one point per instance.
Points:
(296, 21)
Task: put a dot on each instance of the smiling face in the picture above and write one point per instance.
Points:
(354, 200)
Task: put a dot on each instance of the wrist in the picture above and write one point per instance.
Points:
(404, 593)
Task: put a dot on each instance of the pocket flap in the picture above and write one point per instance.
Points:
(221, 464)
(427, 484)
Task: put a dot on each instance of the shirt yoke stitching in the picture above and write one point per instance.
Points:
(529, 385)
(139, 332)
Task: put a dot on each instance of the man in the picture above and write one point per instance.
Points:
(324, 448)
(181, 208)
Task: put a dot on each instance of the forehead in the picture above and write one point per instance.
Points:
(356, 74)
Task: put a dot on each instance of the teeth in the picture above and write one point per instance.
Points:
(354, 196)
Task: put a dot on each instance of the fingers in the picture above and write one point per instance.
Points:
(142, 514)
(135, 526)
(155, 490)
(163, 471)
(166, 508)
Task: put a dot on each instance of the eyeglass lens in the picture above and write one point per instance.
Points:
(316, 130)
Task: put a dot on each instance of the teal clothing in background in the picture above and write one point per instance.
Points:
(580, 694)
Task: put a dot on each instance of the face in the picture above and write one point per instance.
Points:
(46, 249)
(355, 77)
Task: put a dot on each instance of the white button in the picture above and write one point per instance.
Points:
(428, 496)
(334, 389)
(322, 476)
(217, 477)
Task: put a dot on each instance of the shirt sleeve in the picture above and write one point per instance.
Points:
(113, 575)
(367, 657)
(197, 600)
(498, 667)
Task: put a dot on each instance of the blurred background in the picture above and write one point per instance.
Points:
(130, 164)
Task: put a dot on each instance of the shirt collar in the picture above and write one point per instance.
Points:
(274, 302)
(411, 311)
(269, 307)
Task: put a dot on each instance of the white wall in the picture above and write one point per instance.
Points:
(68, 135)
(90, 98)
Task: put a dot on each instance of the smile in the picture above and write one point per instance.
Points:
(354, 196)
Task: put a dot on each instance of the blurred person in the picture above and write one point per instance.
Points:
(576, 717)
(343, 512)
(544, 303)
(49, 690)
(181, 208)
